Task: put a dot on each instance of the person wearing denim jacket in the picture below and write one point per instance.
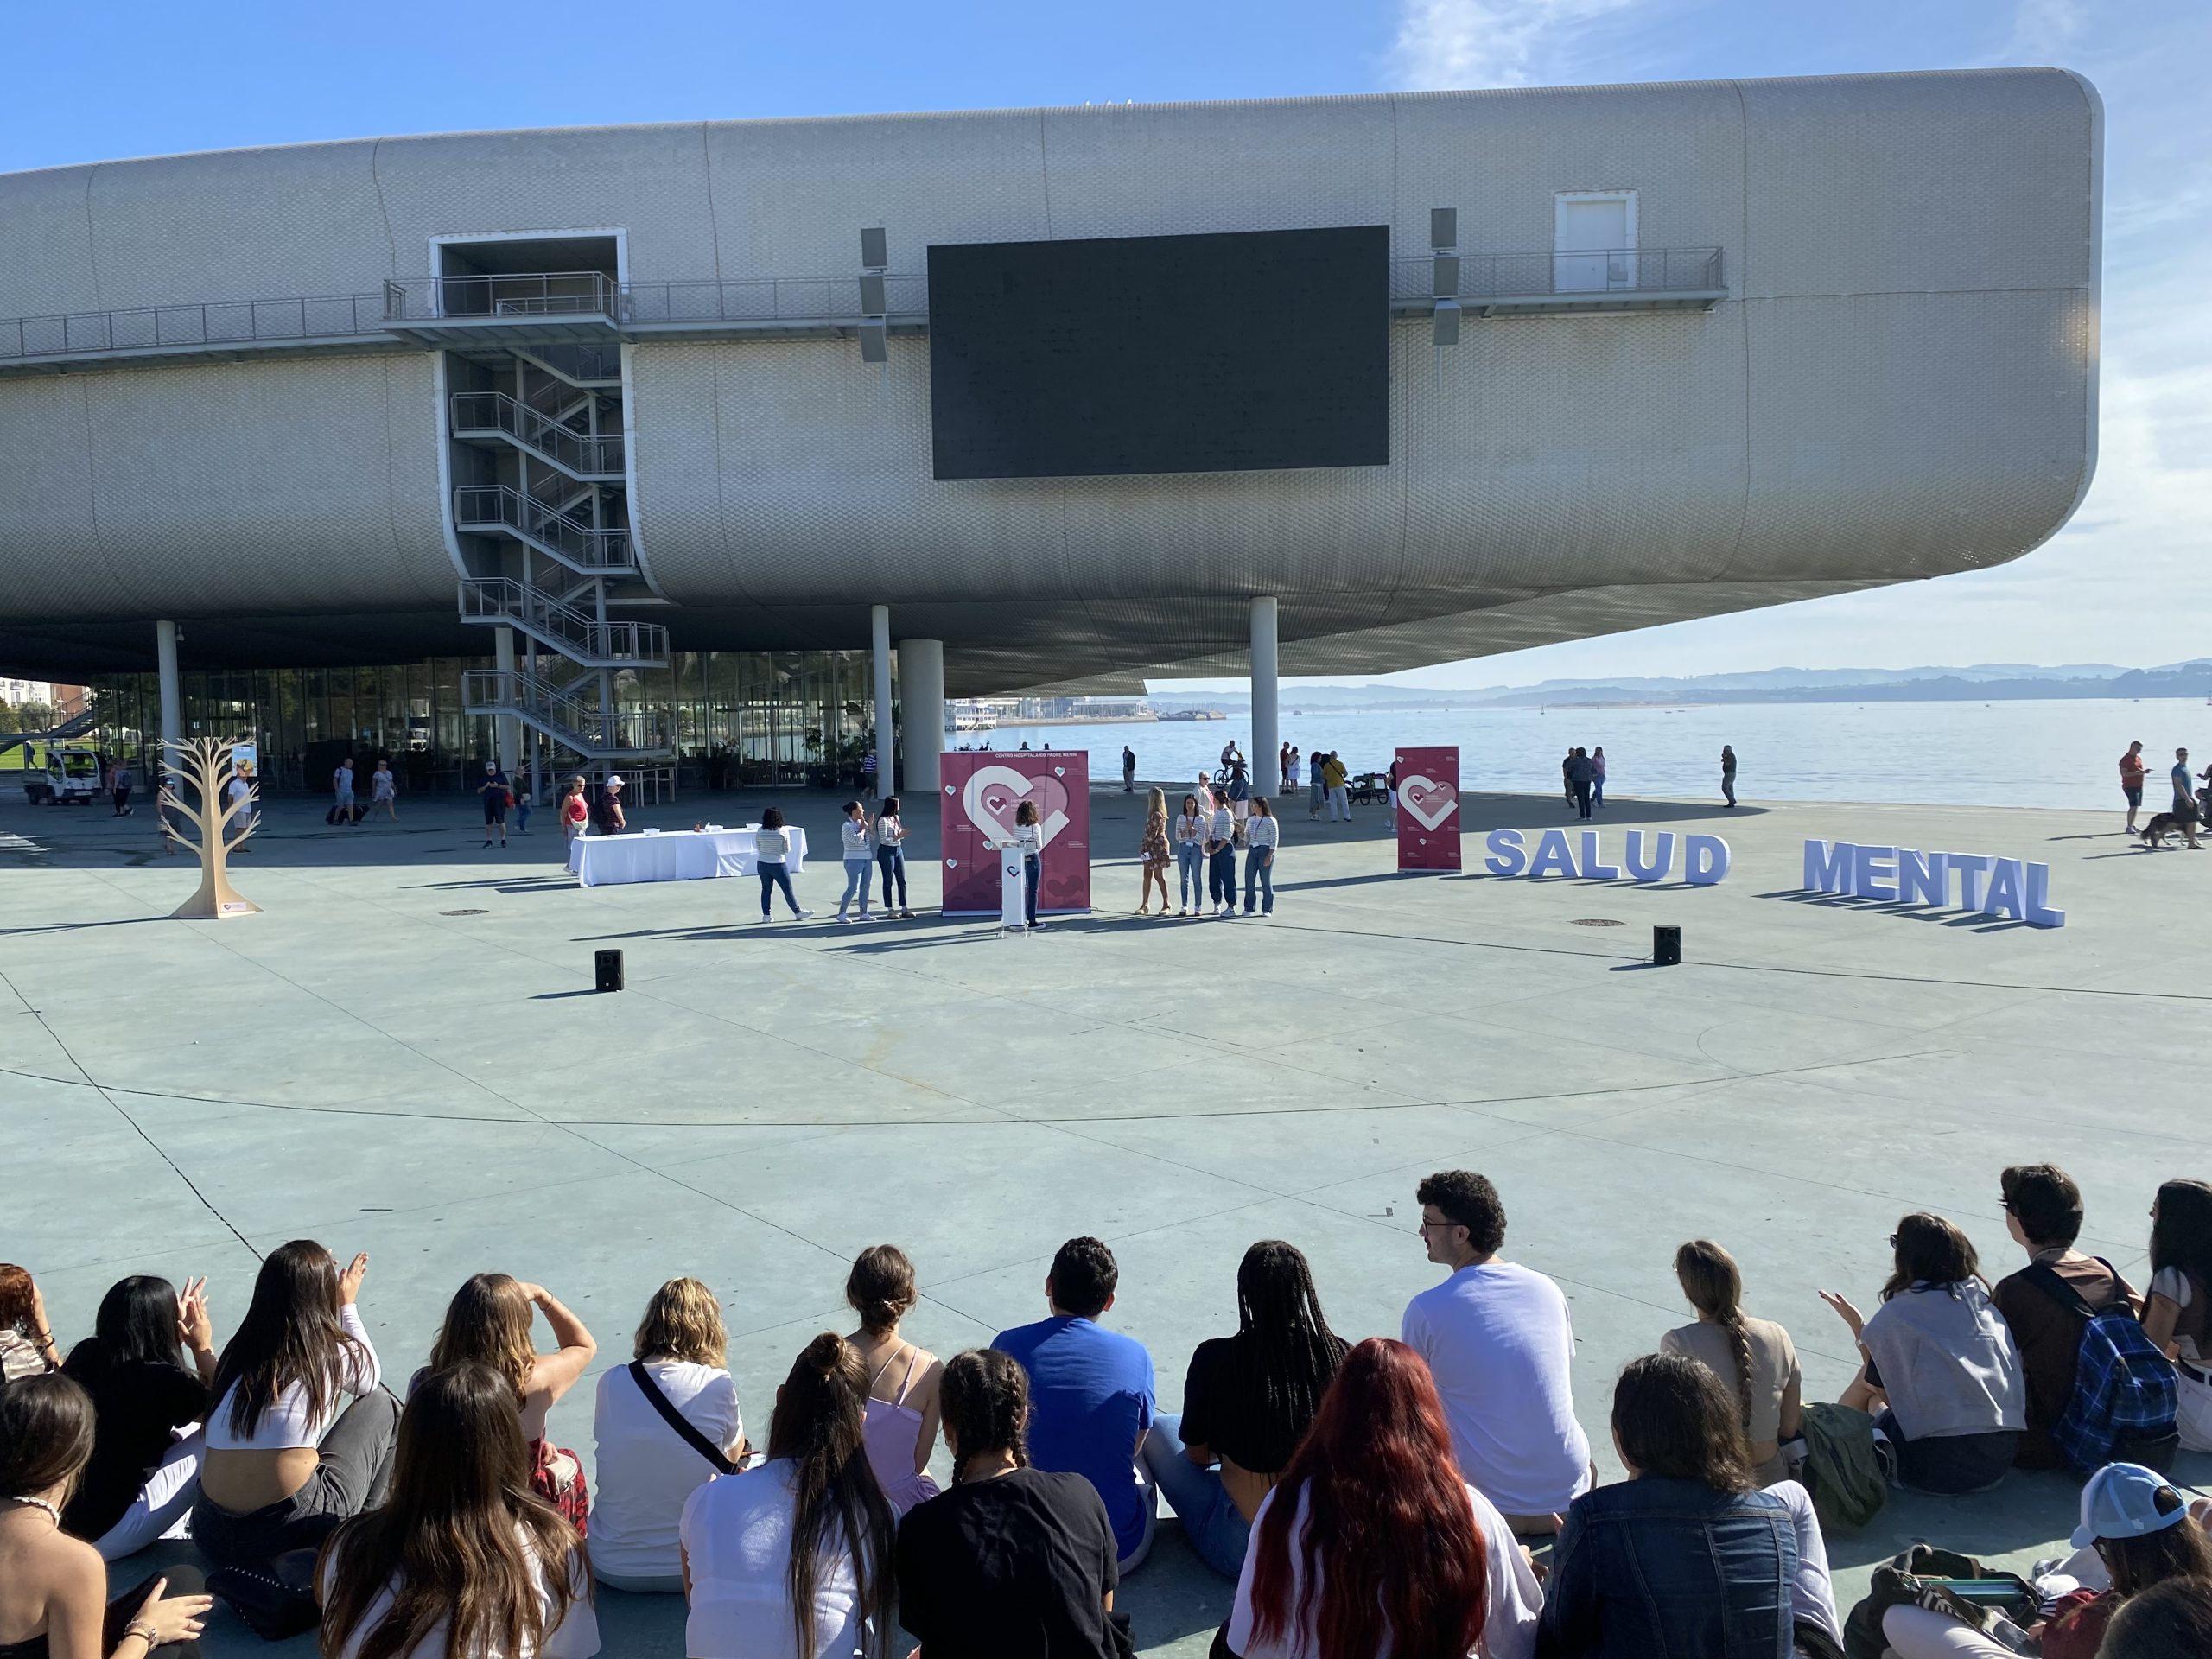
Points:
(1686, 1556)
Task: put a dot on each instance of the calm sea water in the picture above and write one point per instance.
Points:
(2061, 752)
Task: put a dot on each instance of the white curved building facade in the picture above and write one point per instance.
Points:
(1848, 337)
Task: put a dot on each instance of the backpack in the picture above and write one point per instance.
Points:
(1841, 1470)
(2125, 1393)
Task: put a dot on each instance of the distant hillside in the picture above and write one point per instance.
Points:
(1983, 683)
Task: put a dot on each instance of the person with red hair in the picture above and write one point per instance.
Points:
(1372, 1518)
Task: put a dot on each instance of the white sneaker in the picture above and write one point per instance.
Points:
(844, 917)
(804, 914)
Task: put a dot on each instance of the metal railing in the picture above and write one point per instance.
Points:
(174, 328)
(561, 627)
(1617, 270)
(496, 507)
(530, 294)
(574, 368)
(769, 299)
(576, 721)
(481, 412)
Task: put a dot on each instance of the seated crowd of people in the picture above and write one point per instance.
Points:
(1370, 1500)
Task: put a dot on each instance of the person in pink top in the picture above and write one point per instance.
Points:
(902, 1409)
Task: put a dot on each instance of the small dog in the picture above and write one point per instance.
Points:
(2163, 824)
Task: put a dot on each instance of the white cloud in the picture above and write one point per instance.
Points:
(1469, 43)
(2044, 31)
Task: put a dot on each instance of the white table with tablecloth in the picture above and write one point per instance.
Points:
(674, 855)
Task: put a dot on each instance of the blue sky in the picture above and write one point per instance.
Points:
(2127, 581)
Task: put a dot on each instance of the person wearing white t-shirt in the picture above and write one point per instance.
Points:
(1500, 1341)
(803, 1542)
(1221, 860)
(1262, 835)
(647, 1468)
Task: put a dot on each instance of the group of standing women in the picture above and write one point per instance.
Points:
(1203, 847)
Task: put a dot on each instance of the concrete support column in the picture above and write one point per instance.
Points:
(878, 623)
(172, 696)
(921, 682)
(1266, 725)
(507, 730)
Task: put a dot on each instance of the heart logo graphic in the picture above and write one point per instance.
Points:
(1429, 801)
(1059, 771)
(993, 793)
(951, 863)
(950, 790)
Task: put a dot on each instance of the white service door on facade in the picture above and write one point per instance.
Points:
(1592, 245)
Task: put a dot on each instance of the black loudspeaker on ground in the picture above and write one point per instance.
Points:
(607, 970)
(1665, 947)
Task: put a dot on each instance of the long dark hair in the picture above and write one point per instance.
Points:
(1713, 1285)
(462, 1537)
(1389, 1528)
(1283, 1341)
(820, 1413)
(136, 1325)
(289, 1334)
(1929, 1250)
(983, 1402)
(46, 1435)
(2179, 1551)
(1673, 1417)
(2181, 1235)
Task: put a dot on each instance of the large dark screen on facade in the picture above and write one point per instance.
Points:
(1237, 352)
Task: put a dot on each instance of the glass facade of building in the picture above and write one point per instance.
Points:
(798, 718)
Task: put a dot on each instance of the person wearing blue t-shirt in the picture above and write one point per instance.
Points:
(1091, 1392)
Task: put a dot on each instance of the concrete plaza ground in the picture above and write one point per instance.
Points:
(403, 1055)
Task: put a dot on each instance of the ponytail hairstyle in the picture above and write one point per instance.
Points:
(837, 1504)
(488, 1321)
(880, 1288)
(1713, 1285)
(983, 1401)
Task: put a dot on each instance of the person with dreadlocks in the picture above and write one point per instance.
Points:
(1374, 1543)
(1009, 1559)
(1754, 1359)
(1247, 1403)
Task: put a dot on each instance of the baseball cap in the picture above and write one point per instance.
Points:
(2121, 1500)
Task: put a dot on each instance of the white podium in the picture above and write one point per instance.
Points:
(1013, 894)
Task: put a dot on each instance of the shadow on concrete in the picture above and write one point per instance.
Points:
(1979, 921)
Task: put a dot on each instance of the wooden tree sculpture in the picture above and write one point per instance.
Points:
(203, 767)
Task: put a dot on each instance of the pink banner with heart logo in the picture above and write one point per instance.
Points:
(1428, 809)
(983, 791)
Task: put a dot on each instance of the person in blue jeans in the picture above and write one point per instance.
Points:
(859, 836)
(1091, 1402)
(772, 850)
(1247, 1401)
(1221, 860)
(1686, 1555)
(1029, 837)
(1262, 834)
(1190, 857)
(891, 858)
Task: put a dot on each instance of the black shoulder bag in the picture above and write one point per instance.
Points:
(686, 1429)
